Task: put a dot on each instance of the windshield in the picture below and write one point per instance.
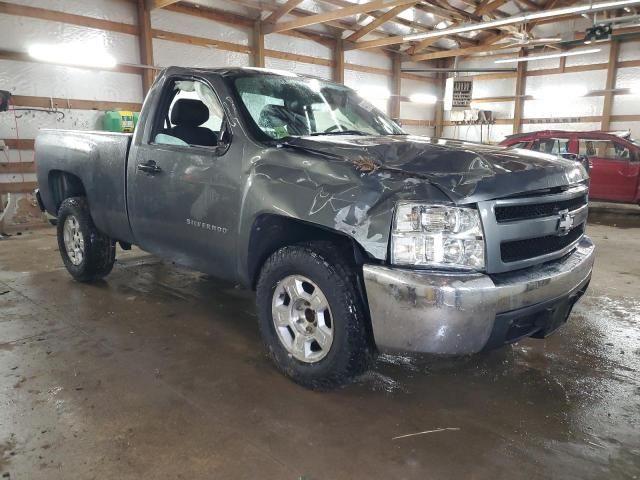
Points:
(284, 106)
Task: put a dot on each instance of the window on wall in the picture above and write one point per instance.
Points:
(605, 149)
(553, 146)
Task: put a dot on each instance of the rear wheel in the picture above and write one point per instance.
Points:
(87, 253)
(311, 316)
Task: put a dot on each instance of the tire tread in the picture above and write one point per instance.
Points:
(356, 359)
(100, 250)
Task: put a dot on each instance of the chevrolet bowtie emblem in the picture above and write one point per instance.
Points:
(565, 222)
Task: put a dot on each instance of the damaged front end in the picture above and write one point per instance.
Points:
(439, 278)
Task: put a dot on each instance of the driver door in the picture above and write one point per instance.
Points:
(613, 170)
(184, 185)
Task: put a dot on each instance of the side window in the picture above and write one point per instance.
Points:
(519, 145)
(543, 146)
(605, 149)
(554, 146)
(561, 146)
(190, 116)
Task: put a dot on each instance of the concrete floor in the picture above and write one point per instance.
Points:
(158, 373)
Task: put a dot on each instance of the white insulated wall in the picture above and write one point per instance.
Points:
(168, 53)
(44, 80)
(628, 104)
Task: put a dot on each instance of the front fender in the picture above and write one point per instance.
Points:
(330, 193)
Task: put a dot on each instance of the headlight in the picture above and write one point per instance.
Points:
(437, 236)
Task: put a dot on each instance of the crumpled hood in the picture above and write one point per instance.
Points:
(466, 172)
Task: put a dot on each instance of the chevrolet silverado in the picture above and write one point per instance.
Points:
(356, 236)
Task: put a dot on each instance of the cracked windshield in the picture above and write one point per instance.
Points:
(283, 106)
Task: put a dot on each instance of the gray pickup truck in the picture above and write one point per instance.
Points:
(357, 237)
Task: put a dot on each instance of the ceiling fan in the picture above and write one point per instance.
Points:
(523, 38)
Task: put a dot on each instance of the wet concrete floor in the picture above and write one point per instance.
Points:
(158, 373)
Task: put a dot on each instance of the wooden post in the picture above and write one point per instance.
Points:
(338, 61)
(146, 45)
(614, 48)
(439, 107)
(258, 44)
(439, 120)
(396, 86)
(521, 80)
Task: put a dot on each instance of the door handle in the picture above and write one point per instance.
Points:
(149, 167)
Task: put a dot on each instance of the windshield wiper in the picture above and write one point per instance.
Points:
(341, 132)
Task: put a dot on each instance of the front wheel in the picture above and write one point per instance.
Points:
(87, 253)
(311, 316)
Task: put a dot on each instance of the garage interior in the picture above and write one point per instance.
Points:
(160, 372)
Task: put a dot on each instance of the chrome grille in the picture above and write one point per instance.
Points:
(534, 247)
(521, 232)
(509, 213)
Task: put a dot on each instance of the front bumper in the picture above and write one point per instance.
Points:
(461, 313)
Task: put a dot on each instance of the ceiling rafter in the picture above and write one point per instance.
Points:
(153, 4)
(381, 20)
(403, 21)
(389, 11)
(421, 45)
(489, 7)
(335, 14)
(531, 4)
(398, 20)
(452, 10)
(336, 27)
(456, 52)
(475, 3)
(282, 10)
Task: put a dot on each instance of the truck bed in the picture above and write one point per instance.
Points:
(94, 164)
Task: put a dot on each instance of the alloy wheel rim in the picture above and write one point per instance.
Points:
(73, 240)
(302, 318)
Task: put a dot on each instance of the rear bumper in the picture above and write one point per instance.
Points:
(461, 313)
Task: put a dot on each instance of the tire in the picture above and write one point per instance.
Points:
(349, 351)
(92, 254)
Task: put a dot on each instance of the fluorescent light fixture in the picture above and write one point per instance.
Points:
(546, 39)
(78, 54)
(561, 93)
(376, 93)
(551, 55)
(425, 98)
(525, 17)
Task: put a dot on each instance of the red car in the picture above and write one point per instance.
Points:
(614, 159)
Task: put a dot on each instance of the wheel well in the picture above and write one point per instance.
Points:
(64, 185)
(272, 232)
